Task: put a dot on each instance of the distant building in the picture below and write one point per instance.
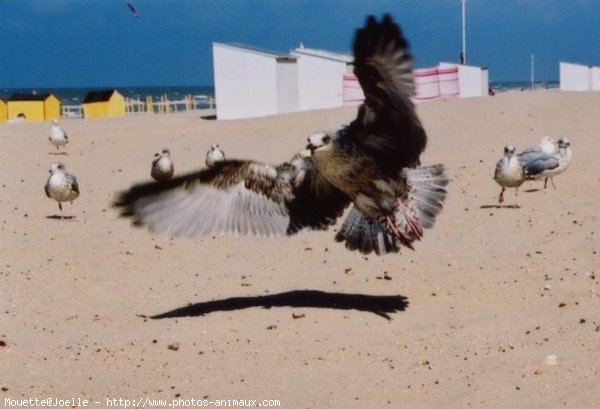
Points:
(472, 81)
(321, 77)
(578, 77)
(103, 104)
(3, 111)
(34, 107)
(251, 82)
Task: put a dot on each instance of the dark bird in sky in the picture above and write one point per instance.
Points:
(370, 164)
(132, 8)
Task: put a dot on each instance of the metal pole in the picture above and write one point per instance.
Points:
(464, 31)
(532, 73)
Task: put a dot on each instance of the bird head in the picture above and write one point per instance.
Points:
(564, 143)
(509, 150)
(318, 142)
(56, 167)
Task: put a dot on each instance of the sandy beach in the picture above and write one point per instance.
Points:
(496, 308)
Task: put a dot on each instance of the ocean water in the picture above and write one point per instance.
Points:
(501, 86)
(74, 96)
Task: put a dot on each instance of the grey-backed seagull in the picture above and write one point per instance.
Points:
(509, 172)
(61, 186)
(549, 165)
(58, 137)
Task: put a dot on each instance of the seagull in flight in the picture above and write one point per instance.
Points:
(371, 165)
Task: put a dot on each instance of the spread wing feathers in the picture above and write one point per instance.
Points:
(233, 197)
(427, 192)
(424, 200)
(387, 125)
(539, 165)
(366, 235)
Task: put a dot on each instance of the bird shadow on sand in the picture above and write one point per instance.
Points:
(59, 217)
(533, 190)
(58, 153)
(513, 206)
(381, 305)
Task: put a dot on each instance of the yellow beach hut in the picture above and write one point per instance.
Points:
(34, 107)
(102, 104)
(3, 111)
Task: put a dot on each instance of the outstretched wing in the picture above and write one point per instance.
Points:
(233, 197)
(387, 126)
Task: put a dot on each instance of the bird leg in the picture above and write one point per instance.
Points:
(545, 183)
(552, 181)
(411, 232)
(501, 197)
(61, 212)
(401, 236)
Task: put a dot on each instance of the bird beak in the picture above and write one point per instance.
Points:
(306, 152)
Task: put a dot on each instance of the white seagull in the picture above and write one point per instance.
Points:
(371, 164)
(549, 165)
(509, 172)
(213, 155)
(162, 166)
(547, 145)
(58, 137)
(61, 186)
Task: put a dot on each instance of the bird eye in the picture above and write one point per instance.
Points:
(326, 139)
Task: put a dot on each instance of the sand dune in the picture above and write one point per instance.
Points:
(474, 312)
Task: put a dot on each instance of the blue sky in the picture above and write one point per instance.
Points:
(87, 43)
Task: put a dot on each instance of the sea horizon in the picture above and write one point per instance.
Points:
(75, 95)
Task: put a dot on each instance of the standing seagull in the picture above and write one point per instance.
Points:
(370, 164)
(162, 166)
(58, 137)
(509, 172)
(213, 155)
(549, 165)
(61, 186)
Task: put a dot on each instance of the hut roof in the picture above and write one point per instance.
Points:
(99, 96)
(29, 97)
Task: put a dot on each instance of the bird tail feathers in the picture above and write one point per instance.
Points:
(366, 235)
(427, 192)
(418, 210)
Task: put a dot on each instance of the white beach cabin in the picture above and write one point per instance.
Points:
(472, 81)
(321, 77)
(579, 77)
(251, 82)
